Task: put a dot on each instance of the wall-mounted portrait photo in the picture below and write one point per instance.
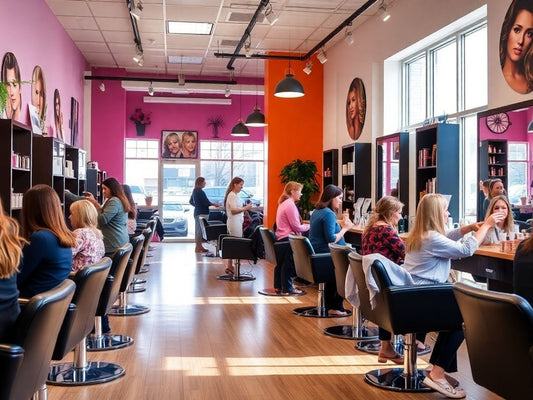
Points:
(11, 78)
(179, 144)
(516, 50)
(356, 108)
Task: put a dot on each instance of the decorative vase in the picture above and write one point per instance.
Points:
(140, 129)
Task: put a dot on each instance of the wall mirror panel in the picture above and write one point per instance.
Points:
(505, 137)
(392, 167)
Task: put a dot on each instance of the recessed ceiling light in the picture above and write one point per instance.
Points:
(184, 60)
(190, 28)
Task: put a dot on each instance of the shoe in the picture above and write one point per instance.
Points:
(278, 291)
(339, 313)
(229, 271)
(293, 291)
(396, 359)
(443, 386)
(202, 250)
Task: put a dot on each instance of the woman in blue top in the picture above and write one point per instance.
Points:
(47, 258)
(10, 254)
(201, 205)
(325, 229)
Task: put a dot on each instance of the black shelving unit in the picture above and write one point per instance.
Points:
(356, 180)
(330, 166)
(49, 166)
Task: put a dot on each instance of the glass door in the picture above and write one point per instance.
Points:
(175, 191)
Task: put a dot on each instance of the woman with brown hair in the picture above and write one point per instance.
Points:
(47, 258)
(10, 254)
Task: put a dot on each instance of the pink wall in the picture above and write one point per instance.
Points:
(36, 38)
(111, 124)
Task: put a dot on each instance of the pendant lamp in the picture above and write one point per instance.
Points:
(240, 129)
(256, 118)
(289, 88)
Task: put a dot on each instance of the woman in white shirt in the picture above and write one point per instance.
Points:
(429, 251)
(235, 213)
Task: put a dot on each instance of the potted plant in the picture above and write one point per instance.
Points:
(304, 172)
(216, 123)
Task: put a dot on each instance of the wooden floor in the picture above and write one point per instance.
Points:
(215, 340)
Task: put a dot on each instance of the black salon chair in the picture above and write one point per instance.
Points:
(89, 284)
(100, 341)
(211, 232)
(136, 282)
(34, 335)
(358, 330)
(123, 308)
(148, 233)
(498, 330)
(237, 249)
(314, 268)
(399, 310)
(275, 253)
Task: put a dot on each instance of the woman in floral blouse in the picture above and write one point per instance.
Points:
(89, 248)
(380, 236)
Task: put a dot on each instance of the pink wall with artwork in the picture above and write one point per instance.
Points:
(111, 125)
(37, 38)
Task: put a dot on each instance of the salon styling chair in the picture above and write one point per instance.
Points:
(237, 249)
(211, 232)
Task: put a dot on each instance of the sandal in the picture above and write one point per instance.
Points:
(443, 386)
(338, 313)
(229, 271)
(293, 291)
(396, 358)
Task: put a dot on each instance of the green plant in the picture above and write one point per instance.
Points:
(3, 97)
(215, 122)
(304, 172)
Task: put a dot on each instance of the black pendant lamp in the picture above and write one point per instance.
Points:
(240, 129)
(289, 87)
(256, 118)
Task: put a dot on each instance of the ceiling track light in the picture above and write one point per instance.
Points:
(383, 13)
(227, 92)
(348, 37)
(139, 58)
(102, 87)
(151, 89)
(136, 9)
(322, 56)
(308, 68)
(270, 15)
(248, 47)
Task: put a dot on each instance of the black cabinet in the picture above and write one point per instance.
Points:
(437, 171)
(356, 176)
(75, 170)
(15, 164)
(493, 160)
(49, 163)
(330, 163)
(95, 177)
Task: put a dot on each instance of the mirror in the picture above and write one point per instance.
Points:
(392, 167)
(505, 137)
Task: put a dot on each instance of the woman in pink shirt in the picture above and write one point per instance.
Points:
(288, 221)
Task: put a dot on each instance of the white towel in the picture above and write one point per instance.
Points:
(398, 276)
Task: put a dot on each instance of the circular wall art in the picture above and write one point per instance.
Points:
(356, 108)
(498, 123)
(516, 52)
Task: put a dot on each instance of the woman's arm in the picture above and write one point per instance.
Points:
(294, 220)
(345, 224)
(234, 206)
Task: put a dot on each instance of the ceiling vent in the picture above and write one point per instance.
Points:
(243, 17)
(229, 43)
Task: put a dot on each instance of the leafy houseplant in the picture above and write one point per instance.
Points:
(304, 172)
(3, 98)
(215, 122)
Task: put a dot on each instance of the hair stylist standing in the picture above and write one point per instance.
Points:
(201, 205)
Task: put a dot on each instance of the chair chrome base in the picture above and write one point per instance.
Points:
(273, 292)
(136, 281)
(107, 342)
(395, 379)
(129, 309)
(349, 332)
(314, 313)
(236, 278)
(136, 289)
(65, 374)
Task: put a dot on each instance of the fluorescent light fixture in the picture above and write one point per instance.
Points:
(187, 100)
(185, 60)
(348, 37)
(308, 67)
(151, 89)
(190, 28)
(322, 56)
(383, 13)
(270, 15)
(137, 9)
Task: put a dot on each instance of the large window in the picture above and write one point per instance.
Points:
(141, 168)
(518, 169)
(220, 161)
(449, 78)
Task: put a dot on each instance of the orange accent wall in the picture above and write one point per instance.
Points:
(294, 126)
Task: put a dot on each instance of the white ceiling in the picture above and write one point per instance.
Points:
(103, 32)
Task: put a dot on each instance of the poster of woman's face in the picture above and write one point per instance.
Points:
(516, 50)
(179, 144)
(38, 93)
(58, 115)
(11, 77)
(355, 108)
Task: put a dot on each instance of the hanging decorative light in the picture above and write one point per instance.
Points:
(240, 129)
(256, 118)
(289, 87)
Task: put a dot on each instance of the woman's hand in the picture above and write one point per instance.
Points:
(494, 219)
(346, 223)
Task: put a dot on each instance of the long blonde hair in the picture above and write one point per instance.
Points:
(385, 208)
(428, 218)
(85, 215)
(290, 187)
(11, 244)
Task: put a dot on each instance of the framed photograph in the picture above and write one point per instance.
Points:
(35, 122)
(179, 144)
(74, 112)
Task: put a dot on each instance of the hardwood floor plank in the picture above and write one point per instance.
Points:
(207, 339)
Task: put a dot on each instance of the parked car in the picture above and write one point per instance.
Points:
(216, 194)
(174, 220)
(138, 194)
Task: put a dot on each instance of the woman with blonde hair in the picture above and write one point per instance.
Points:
(429, 251)
(288, 221)
(47, 258)
(89, 248)
(10, 254)
(235, 212)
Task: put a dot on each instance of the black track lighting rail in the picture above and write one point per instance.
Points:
(149, 79)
